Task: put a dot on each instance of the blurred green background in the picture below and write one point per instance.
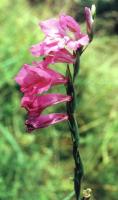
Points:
(39, 166)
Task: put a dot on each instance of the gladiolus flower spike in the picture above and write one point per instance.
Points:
(63, 43)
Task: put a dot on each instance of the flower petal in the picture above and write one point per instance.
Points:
(56, 77)
(51, 27)
(44, 121)
(62, 55)
(48, 45)
(68, 22)
(33, 80)
(36, 104)
(36, 79)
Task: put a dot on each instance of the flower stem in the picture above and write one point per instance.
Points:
(78, 171)
(71, 106)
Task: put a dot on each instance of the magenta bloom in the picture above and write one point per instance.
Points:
(44, 120)
(36, 80)
(64, 26)
(36, 104)
(63, 38)
(60, 33)
(33, 80)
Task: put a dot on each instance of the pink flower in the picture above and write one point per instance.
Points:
(70, 26)
(63, 38)
(64, 26)
(36, 104)
(45, 120)
(33, 80)
(60, 56)
(60, 33)
(36, 80)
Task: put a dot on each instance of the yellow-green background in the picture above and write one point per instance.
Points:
(39, 166)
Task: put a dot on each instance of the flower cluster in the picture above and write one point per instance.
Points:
(63, 38)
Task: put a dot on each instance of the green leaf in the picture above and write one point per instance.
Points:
(70, 91)
(77, 64)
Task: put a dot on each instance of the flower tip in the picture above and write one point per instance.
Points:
(89, 16)
(93, 10)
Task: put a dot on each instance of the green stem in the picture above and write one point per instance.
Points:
(71, 106)
(78, 171)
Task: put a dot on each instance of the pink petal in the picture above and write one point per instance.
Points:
(56, 77)
(83, 41)
(69, 22)
(36, 79)
(38, 49)
(73, 45)
(51, 27)
(45, 47)
(36, 104)
(60, 33)
(62, 55)
(33, 80)
(44, 121)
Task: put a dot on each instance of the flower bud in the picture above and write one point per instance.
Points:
(89, 15)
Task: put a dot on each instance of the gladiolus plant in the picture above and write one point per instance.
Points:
(63, 43)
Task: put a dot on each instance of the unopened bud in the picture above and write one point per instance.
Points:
(89, 15)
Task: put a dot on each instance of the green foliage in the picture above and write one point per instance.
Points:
(40, 165)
